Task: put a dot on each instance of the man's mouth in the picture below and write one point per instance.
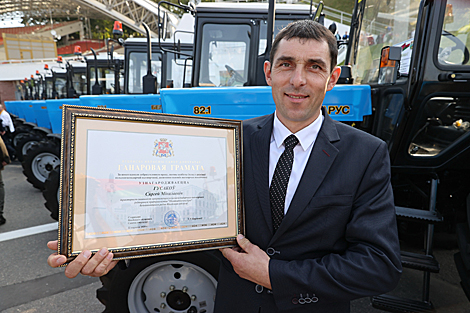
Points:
(296, 96)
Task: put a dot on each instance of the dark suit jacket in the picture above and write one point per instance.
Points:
(338, 240)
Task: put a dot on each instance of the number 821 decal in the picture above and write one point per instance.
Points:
(202, 110)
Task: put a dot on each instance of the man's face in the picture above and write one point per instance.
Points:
(300, 76)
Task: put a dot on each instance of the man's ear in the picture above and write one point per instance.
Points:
(267, 72)
(333, 78)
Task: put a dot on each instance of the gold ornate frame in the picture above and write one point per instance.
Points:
(77, 121)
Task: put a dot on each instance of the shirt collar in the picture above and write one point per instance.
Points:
(306, 135)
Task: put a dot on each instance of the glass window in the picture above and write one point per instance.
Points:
(444, 121)
(106, 79)
(225, 50)
(393, 107)
(60, 86)
(278, 25)
(138, 69)
(454, 44)
(79, 83)
(49, 83)
(177, 68)
(385, 23)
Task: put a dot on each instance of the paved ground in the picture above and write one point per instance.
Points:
(27, 284)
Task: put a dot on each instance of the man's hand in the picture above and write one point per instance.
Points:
(100, 264)
(249, 262)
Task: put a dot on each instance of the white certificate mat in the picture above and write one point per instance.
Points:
(159, 183)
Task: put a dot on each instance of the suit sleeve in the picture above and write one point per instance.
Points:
(370, 264)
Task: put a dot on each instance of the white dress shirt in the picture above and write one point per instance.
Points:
(307, 137)
(6, 121)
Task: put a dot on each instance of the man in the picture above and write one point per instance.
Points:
(335, 239)
(7, 129)
(4, 160)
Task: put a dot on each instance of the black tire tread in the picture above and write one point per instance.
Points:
(43, 146)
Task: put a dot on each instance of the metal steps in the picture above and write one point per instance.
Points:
(395, 304)
(421, 262)
(419, 215)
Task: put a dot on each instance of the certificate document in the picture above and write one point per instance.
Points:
(140, 183)
(146, 184)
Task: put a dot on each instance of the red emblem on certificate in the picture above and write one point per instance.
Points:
(163, 148)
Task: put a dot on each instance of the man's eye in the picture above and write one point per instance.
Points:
(285, 64)
(316, 67)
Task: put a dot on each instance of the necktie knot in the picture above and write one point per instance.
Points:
(290, 142)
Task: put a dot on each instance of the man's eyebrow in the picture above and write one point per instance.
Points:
(318, 61)
(284, 58)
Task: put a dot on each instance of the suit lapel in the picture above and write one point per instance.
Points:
(260, 164)
(321, 158)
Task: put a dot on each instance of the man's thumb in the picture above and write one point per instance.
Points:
(243, 242)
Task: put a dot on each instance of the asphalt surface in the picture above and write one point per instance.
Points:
(28, 284)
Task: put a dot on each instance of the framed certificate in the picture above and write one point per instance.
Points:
(146, 184)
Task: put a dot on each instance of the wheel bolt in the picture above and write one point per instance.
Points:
(163, 295)
(172, 287)
(193, 298)
(185, 289)
(162, 306)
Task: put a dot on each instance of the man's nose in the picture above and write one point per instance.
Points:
(298, 77)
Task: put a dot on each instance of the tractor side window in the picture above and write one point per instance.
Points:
(278, 25)
(225, 55)
(79, 83)
(445, 120)
(392, 111)
(49, 84)
(138, 69)
(177, 69)
(105, 79)
(382, 26)
(454, 43)
(60, 85)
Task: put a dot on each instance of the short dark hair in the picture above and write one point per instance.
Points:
(307, 29)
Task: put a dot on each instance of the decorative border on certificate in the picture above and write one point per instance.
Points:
(146, 184)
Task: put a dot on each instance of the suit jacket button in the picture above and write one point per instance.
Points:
(295, 301)
(259, 288)
(270, 251)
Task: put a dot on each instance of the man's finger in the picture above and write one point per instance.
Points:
(97, 265)
(53, 245)
(75, 267)
(55, 260)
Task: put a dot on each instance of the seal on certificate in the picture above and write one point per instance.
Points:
(171, 219)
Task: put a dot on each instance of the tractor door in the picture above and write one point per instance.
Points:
(436, 131)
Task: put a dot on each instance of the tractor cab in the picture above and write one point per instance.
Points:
(170, 69)
(231, 41)
(415, 57)
(104, 74)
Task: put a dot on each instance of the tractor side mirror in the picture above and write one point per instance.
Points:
(389, 63)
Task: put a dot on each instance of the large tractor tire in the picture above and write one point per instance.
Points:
(174, 283)
(462, 258)
(19, 134)
(41, 159)
(25, 144)
(51, 192)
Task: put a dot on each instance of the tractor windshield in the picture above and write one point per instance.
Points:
(454, 43)
(385, 23)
